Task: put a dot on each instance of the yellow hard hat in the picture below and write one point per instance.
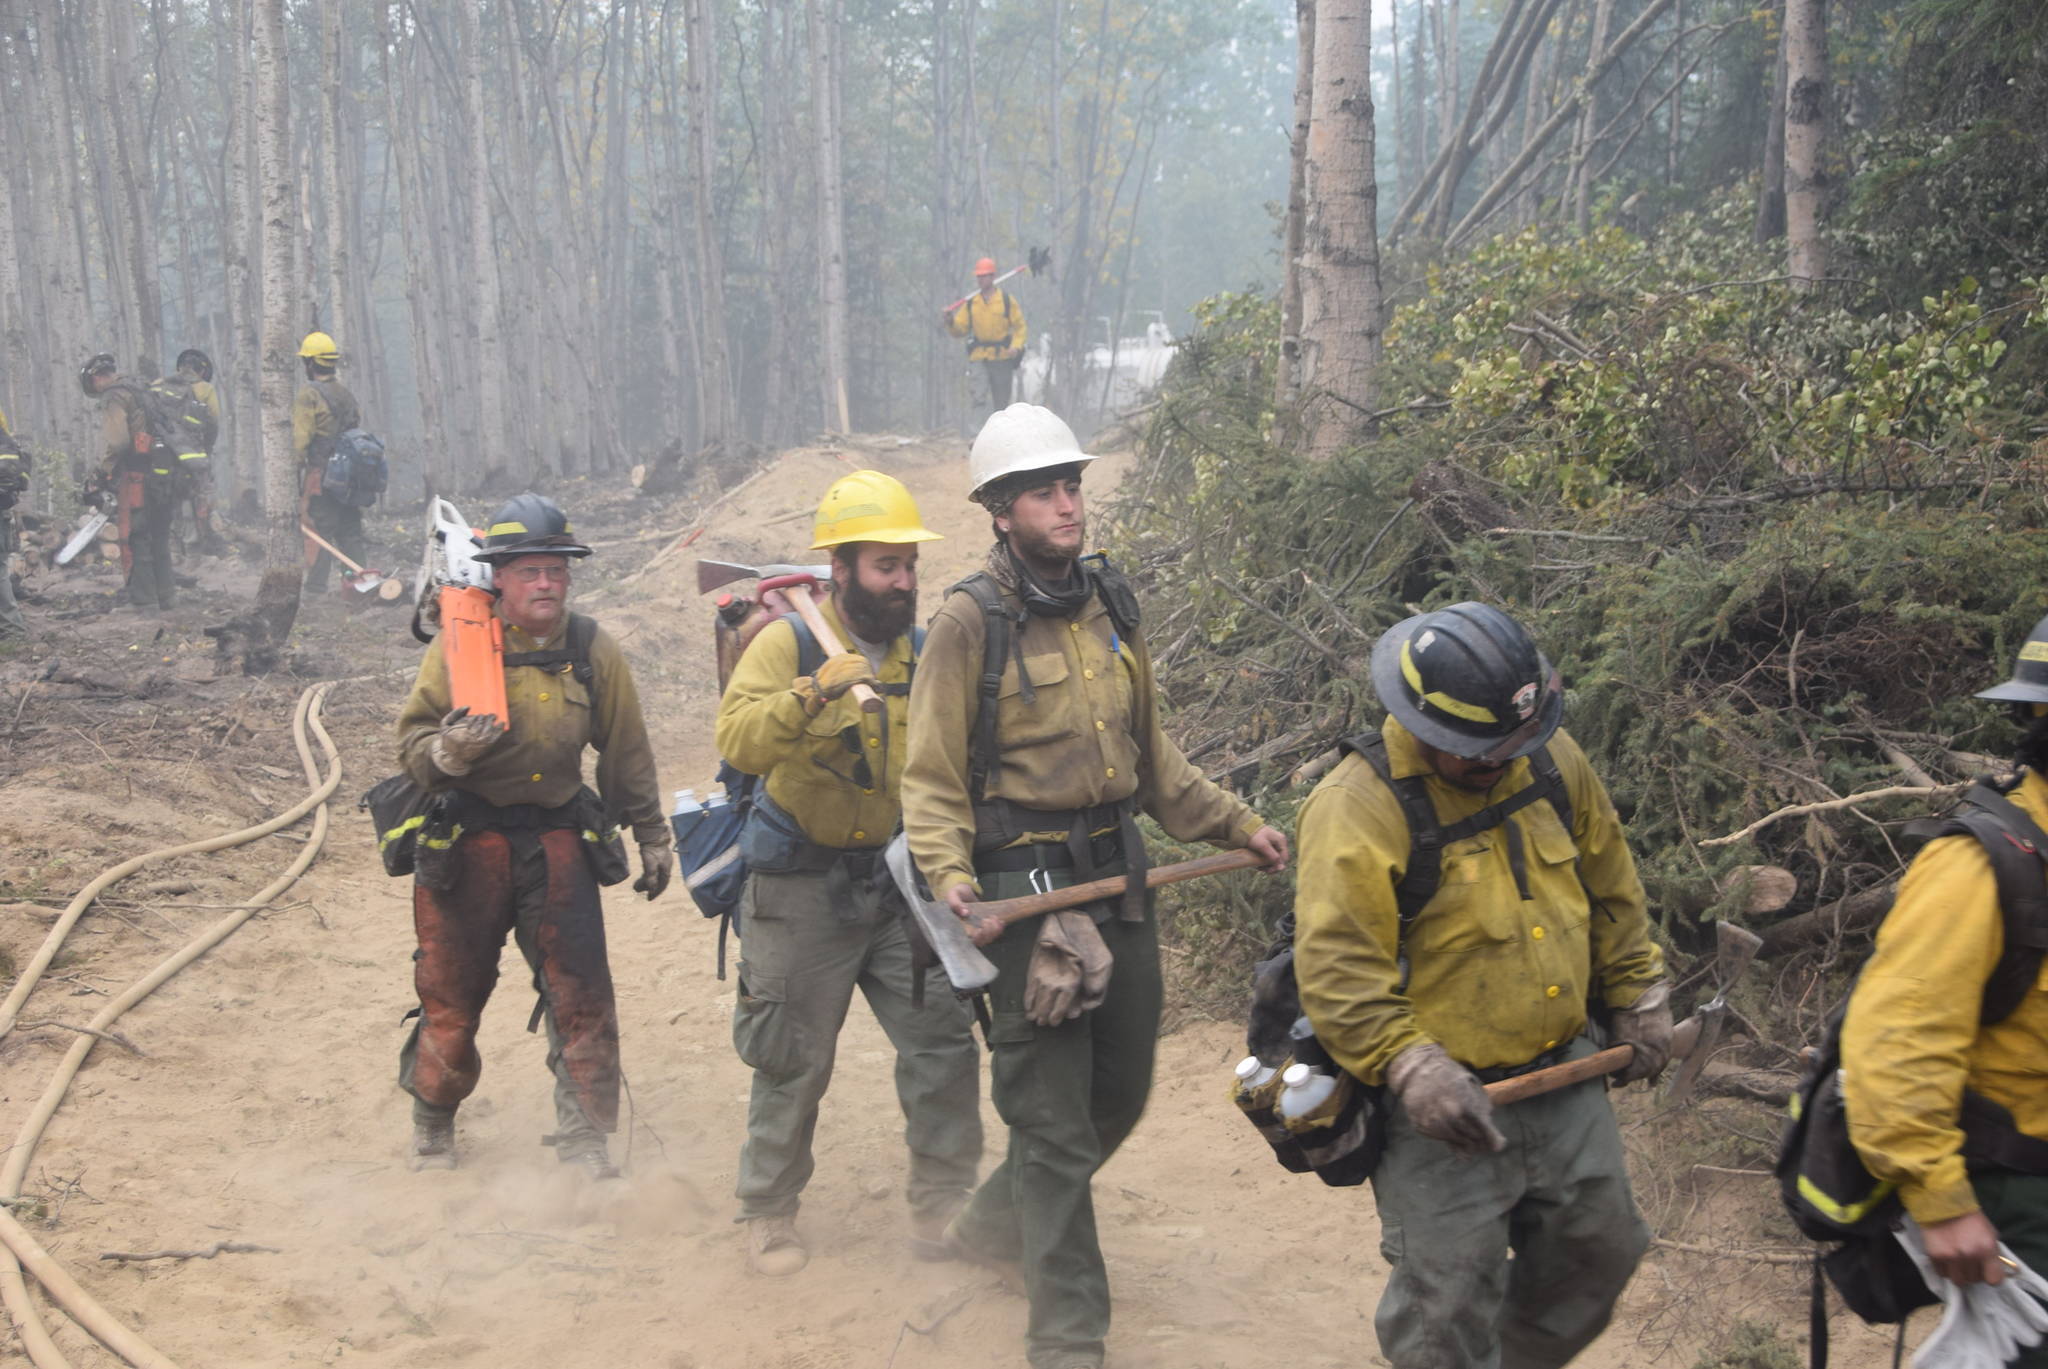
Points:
(868, 506)
(321, 348)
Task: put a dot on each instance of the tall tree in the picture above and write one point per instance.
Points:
(1340, 260)
(277, 594)
(1287, 380)
(1770, 200)
(825, 17)
(1806, 102)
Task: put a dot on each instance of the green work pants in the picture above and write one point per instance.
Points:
(802, 953)
(1070, 1095)
(2017, 1205)
(1557, 1197)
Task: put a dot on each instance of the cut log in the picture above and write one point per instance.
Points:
(1856, 913)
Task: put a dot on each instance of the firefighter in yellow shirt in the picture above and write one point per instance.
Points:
(1951, 1108)
(820, 916)
(1535, 917)
(993, 323)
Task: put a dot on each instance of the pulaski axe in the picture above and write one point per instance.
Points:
(1692, 1041)
(957, 943)
(796, 584)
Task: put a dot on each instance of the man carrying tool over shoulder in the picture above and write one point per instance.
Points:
(819, 915)
(532, 843)
(1536, 914)
(993, 323)
(1035, 740)
(322, 411)
(1947, 1094)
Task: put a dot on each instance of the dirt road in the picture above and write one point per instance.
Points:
(263, 1106)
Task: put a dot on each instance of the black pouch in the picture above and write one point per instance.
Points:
(772, 842)
(603, 846)
(398, 810)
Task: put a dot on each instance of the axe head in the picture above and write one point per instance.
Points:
(712, 574)
(1734, 948)
(962, 960)
(1704, 1027)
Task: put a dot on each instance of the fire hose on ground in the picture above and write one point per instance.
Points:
(22, 1249)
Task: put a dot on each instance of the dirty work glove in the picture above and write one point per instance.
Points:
(657, 863)
(1443, 1099)
(1646, 1025)
(837, 675)
(463, 737)
(1069, 972)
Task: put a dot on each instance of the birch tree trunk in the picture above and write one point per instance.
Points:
(718, 422)
(1582, 140)
(1287, 383)
(493, 434)
(824, 17)
(330, 176)
(1340, 262)
(1806, 102)
(277, 595)
(1770, 200)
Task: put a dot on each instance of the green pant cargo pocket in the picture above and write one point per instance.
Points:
(765, 1030)
(1017, 1066)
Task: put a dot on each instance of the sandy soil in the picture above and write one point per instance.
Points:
(263, 1106)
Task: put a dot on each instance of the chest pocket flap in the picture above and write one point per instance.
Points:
(1047, 717)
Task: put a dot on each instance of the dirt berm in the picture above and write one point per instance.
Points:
(263, 1106)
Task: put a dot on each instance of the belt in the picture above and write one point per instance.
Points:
(473, 812)
(1553, 1056)
(1048, 856)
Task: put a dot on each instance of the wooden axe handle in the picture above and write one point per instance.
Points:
(333, 550)
(800, 595)
(1683, 1038)
(1010, 910)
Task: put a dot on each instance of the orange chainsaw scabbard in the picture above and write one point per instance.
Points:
(473, 644)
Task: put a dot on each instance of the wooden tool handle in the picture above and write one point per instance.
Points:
(869, 701)
(1559, 1076)
(1010, 910)
(331, 548)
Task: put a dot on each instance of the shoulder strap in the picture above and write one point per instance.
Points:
(1426, 835)
(809, 655)
(995, 647)
(2016, 847)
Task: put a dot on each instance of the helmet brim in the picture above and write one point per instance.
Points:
(894, 538)
(1388, 683)
(2016, 692)
(497, 556)
(1074, 457)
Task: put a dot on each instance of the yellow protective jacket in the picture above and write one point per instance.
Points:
(1494, 978)
(1911, 1042)
(993, 325)
(553, 717)
(316, 421)
(1091, 736)
(121, 423)
(811, 763)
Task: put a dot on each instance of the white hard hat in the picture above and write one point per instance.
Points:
(1023, 437)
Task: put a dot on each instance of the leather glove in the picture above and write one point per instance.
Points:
(1443, 1099)
(1646, 1025)
(837, 675)
(464, 737)
(657, 863)
(1069, 972)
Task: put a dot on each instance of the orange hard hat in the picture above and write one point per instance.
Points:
(985, 267)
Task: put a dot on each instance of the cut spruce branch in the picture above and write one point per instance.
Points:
(1896, 791)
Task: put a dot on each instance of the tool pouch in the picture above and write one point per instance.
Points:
(772, 842)
(1343, 1139)
(400, 811)
(603, 846)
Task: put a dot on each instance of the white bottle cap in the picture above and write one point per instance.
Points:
(1297, 1075)
(1248, 1067)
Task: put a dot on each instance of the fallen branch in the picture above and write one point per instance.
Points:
(1896, 791)
(217, 1248)
(1758, 1256)
(1560, 532)
(123, 1042)
(1854, 913)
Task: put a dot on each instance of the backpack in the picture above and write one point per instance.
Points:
(179, 418)
(1277, 1024)
(356, 472)
(1825, 1187)
(708, 837)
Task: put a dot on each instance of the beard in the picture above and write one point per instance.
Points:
(1038, 549)
(877, 618)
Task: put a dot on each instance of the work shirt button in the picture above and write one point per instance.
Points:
(867, 791)
(536, 777)
(1073, 627)
(1087, 674)
(1111, 772)
(543, 696)
(1101, 726)
(1536, 933)
(1551, 992)
(860, 836)
(1550, 1045)
(874, 741)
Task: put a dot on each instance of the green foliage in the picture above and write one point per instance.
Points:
(1751, 1345)
(1777, 542)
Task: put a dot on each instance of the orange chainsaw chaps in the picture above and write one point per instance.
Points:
(473, 644)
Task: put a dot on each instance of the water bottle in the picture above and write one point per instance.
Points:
(686, 803)
(1304, 1089)
(1255, 1088)
(1336, 1121)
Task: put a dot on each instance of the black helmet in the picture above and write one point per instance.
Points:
(1467, 680)
(528, 525)
(197, 362)
(2029, 682)
(99, 364)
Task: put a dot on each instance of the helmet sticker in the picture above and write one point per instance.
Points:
(1422, 642)
(1525, 701)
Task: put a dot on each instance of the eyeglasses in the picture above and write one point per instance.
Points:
(528, 575)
